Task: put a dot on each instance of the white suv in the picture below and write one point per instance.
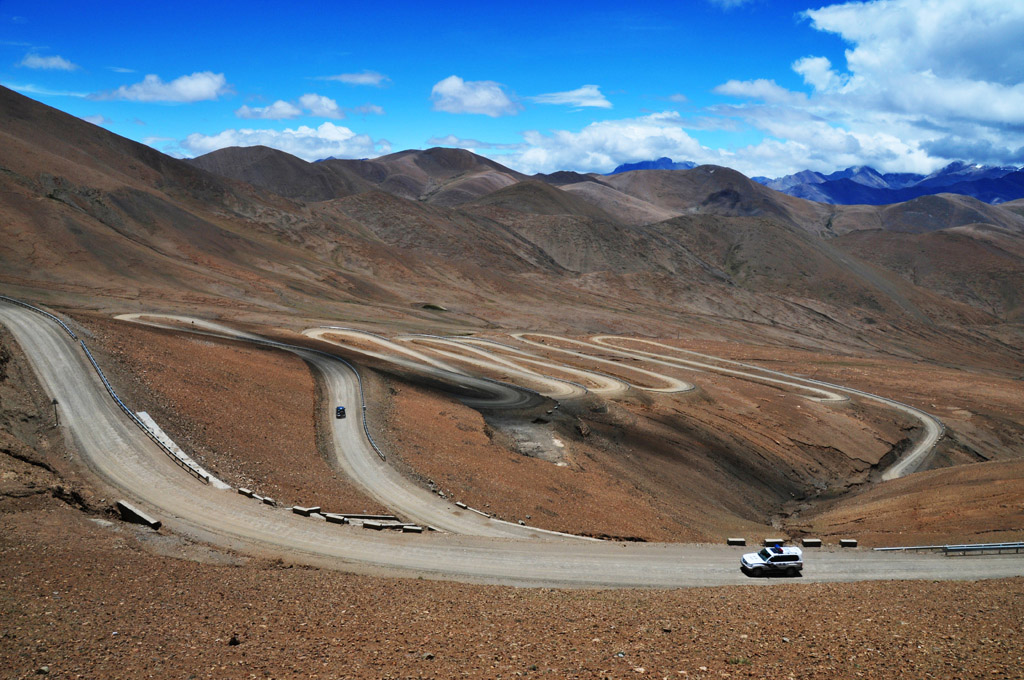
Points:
(775, 560)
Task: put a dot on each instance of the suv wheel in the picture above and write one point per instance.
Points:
(792, 571)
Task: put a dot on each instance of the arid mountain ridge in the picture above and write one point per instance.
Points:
(94, 219)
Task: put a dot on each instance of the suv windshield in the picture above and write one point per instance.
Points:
(764, 554)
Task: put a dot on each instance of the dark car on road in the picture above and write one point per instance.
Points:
(339, 412)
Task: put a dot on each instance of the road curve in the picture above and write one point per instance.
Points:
(353, 453)
(125, 458)
(495, 394)
(669, 356)
(911, 460)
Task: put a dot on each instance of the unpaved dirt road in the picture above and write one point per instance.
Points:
(125, 458)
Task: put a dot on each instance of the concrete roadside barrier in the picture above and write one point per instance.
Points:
(811, 542)
(735, 541)
(334, 518)
(351, 515)
(774, 541)
(246, 492)
(130, 513)
(847, 542)
(305, 512)
(412, 529)
(267, 500)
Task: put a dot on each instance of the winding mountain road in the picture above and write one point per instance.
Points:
(116, 450)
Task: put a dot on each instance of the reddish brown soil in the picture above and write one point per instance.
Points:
(81, 600)
(983, 502)
(983, 409)
(448, 444)
(246, 413)
(691, 468)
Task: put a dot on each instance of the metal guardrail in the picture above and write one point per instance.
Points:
(981, 548)
(110, 390)
(964, 549)
(142, 426)
(41, 311)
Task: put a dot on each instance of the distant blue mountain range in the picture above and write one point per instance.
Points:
(866, 186)
(660, 164)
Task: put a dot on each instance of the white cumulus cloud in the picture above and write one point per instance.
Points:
(54, 63)
(305, 142)
(924, 82)
(819, 74)
(321, 106)
(279, 110)
(761, 89)
(601, 146)
(200, 86)
(486, 97)
(588, 95)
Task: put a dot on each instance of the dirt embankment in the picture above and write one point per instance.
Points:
(34, 461)
(248, 414)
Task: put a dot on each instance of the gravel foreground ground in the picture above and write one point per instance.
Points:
(86, 597)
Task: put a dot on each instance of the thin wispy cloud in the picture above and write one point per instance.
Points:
(731, 4)
(54, 63)
(28, 88)
(371, 78)
(97, 120)
(586, 96)
(455, 142)
(368, 110)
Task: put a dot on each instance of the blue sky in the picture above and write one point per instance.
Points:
(768, 87)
